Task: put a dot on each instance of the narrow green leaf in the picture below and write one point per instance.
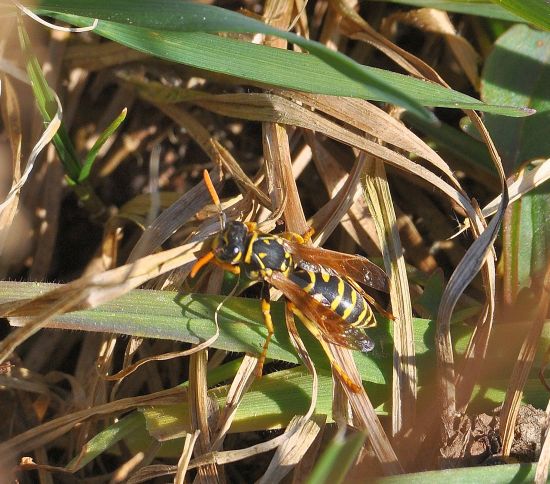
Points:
(461, 145)
(482, 8)
(535, 11)
(189, 318)
(105, 439)
(527, 51)
(337, 459)
(517, 73)
(174, 15)
(320, 73)
(133, 425)
(501, 474)
(47, 106)
(90, 158)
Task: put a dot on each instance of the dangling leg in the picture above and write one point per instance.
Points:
(314, 330)
(266, 313)
(300, 239)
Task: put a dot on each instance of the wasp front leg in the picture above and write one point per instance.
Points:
(266, 313)
(300, 239)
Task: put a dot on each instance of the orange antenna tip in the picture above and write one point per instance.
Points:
(205, 259)
(211, 189)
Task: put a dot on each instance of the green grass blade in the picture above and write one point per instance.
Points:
(90, 158)
(337, 459)
(47, 105)
(193, 18)
(527, 51)
(535, 11)
(282, 68)
(482, 8)
(189, 318)
(501, 474)
(104, 440)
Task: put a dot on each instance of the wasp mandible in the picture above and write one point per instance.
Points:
(320, 285)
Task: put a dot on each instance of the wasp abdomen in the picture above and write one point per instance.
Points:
(336, 293)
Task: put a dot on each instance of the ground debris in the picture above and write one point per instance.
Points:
(475, 441)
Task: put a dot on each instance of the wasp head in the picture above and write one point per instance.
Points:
(230, 245)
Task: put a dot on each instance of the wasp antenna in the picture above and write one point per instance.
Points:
(214, 195)
(211, 189)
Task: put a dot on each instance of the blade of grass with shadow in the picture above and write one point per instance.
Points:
(194, 44)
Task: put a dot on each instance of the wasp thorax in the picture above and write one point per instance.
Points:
(230, 245)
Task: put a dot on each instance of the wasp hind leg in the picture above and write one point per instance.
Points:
(266, 313)
(312, 328)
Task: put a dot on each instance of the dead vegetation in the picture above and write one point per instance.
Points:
(353, 169)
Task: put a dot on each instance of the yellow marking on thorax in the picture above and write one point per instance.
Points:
(334, 304)
(325, 276)
(351, 307)
(248, 255)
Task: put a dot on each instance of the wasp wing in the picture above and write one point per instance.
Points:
(354, 266)
(333, 328)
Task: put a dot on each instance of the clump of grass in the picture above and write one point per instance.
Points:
(320, 133)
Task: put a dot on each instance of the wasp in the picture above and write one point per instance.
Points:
(320, 285)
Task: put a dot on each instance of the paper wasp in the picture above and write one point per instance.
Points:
(319, 284)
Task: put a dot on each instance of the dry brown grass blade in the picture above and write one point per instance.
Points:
(275, 180)
(147, 474)
(376, 122)
(228, 456)
(541, 474)
(268, 107)
(404, 363)
(186, 453)
(89, 292)
(166, 356)
(437, 21)
(174, 217)
(98, 56)
(277, 152)
(521, 183)
(358, 221)
(364, 414)
(121, 474)
(345, 189)
(522, 367)
(11, 117)
(49, 431)
(478, 257)
(300, 348)
(201, 413)
(302, 434)
(241, 383)
(213, 148)
(355, 27)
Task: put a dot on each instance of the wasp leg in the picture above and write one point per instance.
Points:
(312, 328)
(227, 267)
(251, 226)
(266, 313)
(300, 239)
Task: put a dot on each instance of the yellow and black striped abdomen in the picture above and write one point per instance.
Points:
(334, 291)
